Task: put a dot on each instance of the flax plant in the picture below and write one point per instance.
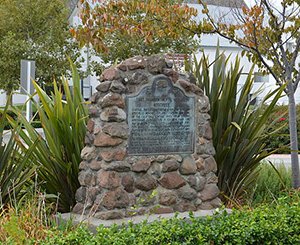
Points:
(238, 128)
(14, 171)
(57, 154)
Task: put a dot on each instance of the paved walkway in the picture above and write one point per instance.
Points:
(277, 159)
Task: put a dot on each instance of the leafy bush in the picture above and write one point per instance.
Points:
(64, 126)
(267, 224)
(271, 183)
(238, 129)
(279, 122)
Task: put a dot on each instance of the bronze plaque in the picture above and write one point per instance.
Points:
(161, 119)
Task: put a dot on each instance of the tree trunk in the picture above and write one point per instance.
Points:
(293, 137)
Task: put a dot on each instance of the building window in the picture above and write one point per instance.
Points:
(260, 78)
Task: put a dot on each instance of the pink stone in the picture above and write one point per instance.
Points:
(128, 183)
(90, 125)
(114, 129)
(115, 199)
(172, 180)
(109, 179)
(103, 139)
(142, 165)
(110, 74)
(113, 155)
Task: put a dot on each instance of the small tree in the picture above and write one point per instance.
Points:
(37, 30)
(122, 29)
(272, 38)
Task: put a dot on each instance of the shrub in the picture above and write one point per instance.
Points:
(279, 122)
(267, 224)
(238, 129)
(14, 170)
(57, 156)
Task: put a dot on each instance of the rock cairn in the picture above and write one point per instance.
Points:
(116, 185)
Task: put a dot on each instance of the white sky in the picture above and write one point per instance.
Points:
(252, 2)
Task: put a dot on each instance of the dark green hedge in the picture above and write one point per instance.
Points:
(281, 139)
(268, 224)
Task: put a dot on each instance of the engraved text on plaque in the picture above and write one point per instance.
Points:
(161, 119)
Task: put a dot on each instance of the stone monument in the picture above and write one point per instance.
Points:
(148, 145)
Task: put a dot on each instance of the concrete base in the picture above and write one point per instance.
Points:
(93, 223)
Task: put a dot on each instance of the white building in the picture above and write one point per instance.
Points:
(208, 44)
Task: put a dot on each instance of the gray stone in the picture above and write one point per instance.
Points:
(155, 64)
(204, 105)
(169, 166)
(197, 182)
(137, 62)
(80, 195)
(203, 118)
(187, 193)
(210, 165)
(139, 78)
(83, 165)
(188, 166)
(155, 170)
(189, 87)
(88, 139)
(167, 198)
(112, 99)
(104, 86)
(117, 87)
(206, 148)
(88, 153)
(92, 192)
(113, 114)
(86, 178)
(94, 98)
(184, 206)
(146, 199)
(93, 110)
(211, 178)
(205, 131)
(145, 183)
(209, 192)
(216, 203)
(206, 206)
(119, 166)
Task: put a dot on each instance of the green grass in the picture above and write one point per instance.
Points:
(271, 183)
